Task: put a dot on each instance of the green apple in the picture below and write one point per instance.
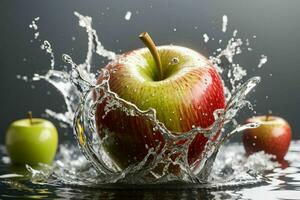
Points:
(31, 141)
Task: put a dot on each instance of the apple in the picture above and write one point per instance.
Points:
(31, 141)
(273, 136)
(179, 83)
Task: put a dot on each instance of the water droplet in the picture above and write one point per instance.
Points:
(128, 15)
(36, 35)
(234, 33)
(25, 78)
(205, 37)
(175, 60)
(67, 59)
(262, 61)
(224, 24)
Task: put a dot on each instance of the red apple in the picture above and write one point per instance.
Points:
(273, 136)
(180, 84)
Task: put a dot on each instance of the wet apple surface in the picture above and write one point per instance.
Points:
(186, 97)
(273, 136)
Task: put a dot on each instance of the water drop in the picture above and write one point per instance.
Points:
(262, 61)
(128, 15)
(224, 24)
(67, 59)
(175, 61)
(36, 35)
(25, 78)
(205, 37)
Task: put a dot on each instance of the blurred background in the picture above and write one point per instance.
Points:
(274, 23)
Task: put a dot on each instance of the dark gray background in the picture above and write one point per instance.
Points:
(275, 23)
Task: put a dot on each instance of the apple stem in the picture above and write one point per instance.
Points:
(268, 115)
(147, 40)
(30, 117)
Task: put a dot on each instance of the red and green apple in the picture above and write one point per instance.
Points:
(179, 83)
(273, 136)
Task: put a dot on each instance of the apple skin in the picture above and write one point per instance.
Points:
(272, 136)
(189, 93)
(31, 144)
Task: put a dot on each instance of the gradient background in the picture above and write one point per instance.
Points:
(276, 24)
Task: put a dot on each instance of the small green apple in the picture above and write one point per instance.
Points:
(31, 141)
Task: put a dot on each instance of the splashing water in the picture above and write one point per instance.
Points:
(78, 87)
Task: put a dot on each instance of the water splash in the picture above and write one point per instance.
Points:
(78, 88)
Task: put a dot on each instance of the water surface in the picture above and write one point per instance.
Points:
(278, 183)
